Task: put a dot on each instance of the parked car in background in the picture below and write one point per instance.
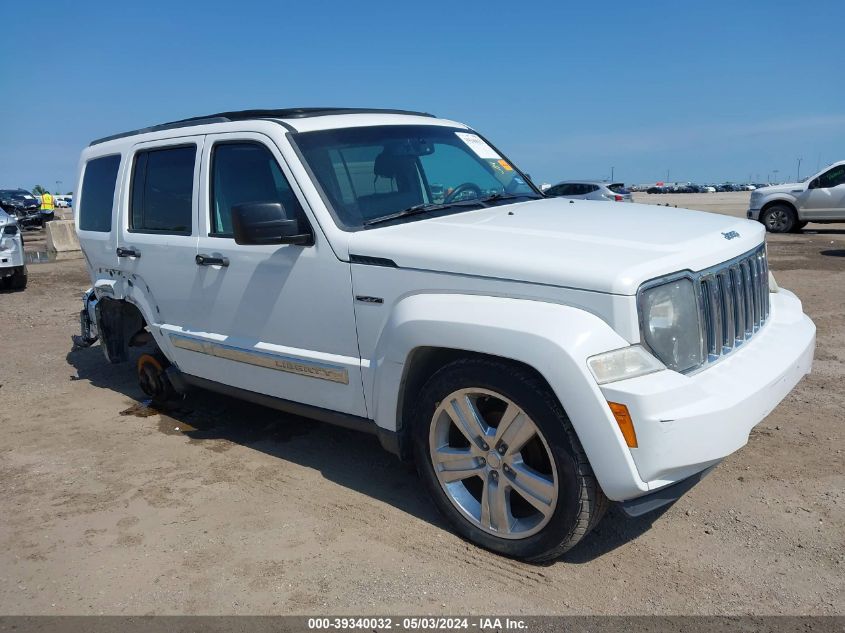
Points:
(62, 202)
(656, 189)
(25, 206)
(789, 207)
(747, 187)
(18, 201)
(707, 189)
(590, 190)
(12, 263)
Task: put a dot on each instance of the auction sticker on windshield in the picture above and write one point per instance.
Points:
(477, 145)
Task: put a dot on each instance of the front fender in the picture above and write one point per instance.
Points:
(780, 197)
(553, 339)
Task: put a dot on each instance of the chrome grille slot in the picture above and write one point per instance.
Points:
(733, 302)
(728, 316)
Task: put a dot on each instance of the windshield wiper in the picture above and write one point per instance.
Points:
(507, 196)
(423, 208)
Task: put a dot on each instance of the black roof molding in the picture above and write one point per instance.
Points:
(245, 115)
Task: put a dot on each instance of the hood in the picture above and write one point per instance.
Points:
(601, 246)
(789, 187)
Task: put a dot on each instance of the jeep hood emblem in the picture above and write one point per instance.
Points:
(730, 235)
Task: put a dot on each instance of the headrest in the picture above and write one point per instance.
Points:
(389, 165)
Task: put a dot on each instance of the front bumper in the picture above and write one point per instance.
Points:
(753, 214)
(687, 423)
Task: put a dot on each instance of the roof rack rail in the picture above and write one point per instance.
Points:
(245, 115)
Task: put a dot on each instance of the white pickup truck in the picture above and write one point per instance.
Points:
(396, 273)
(789, 207)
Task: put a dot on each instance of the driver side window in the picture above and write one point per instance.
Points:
(833, 177)
(246, 172)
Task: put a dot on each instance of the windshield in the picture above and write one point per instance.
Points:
(368, 173)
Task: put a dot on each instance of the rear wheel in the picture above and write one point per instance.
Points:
(153, 380)
(779, 218)
(499, 457)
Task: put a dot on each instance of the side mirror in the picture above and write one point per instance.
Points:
(266, 223)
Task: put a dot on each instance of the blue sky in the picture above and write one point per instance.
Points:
(710, 91)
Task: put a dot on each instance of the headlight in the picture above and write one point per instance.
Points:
(671, 326)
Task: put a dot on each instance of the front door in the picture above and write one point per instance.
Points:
(273, 319)
(824, 197)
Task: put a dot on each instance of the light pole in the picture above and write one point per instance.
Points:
(611, 173)
(775, 172)
(798, 179)
(667, 175)
(58, 186)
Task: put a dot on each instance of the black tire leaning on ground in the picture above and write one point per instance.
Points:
(779, 218)
(581, 502)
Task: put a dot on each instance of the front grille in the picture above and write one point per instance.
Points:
(734, 302)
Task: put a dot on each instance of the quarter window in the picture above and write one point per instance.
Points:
(243, 173)
(98, 183)
(162, 190)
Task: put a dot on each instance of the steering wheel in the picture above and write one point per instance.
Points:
(467, 186)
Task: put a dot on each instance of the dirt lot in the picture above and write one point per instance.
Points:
(225, 507)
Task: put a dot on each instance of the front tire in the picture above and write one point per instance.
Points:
(17, 280)
(501, 460)
(779, 218)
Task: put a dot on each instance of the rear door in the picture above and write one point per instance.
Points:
(157, 243)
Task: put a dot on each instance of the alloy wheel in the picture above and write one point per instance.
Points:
(493, 463)
(777, 220)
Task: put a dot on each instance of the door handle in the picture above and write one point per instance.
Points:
(208, 260)
(130, 251)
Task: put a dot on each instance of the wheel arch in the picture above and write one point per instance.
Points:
(425, 361)
(779, 201)
(121, 325)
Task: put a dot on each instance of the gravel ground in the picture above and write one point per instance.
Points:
(226, 508)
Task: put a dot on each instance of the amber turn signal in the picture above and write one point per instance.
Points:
(623, 419)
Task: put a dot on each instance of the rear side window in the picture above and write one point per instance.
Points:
(163, 190)
(98, 185)
(242, 173)
(618, 187)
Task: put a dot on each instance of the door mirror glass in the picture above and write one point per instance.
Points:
(266, 223)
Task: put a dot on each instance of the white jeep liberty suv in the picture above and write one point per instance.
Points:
(394, 272)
